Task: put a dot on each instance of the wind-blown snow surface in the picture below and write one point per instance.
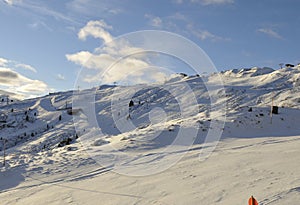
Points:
(47, 163)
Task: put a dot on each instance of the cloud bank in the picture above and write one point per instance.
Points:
(14, 82)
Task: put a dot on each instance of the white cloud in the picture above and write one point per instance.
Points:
(26, 67)
(3, 62)
(14, 64)
(115, 11)
(79, 5)
(13, 81)
(91, 61)
(109, 68)
(60, 77)
(79, 58)
(96, 29)
(114, 62)
(154, 21)
(9, 2)
(44, 10)
(169, 23)
(205, 35)
(270, 33)
(41, 8)
(94, 7)
(33, 87)
(39, 24)
(126, 70)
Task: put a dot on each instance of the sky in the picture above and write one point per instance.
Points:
(45, 45)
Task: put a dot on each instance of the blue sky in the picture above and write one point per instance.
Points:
(42, 51)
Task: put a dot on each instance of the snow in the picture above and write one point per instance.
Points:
(162, 149)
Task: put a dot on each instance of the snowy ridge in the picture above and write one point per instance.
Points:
(257, 155)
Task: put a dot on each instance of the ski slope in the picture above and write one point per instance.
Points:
(125, 155)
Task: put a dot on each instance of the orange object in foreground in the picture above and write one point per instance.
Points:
(252, 201)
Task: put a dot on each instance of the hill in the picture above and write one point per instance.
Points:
(193, 139)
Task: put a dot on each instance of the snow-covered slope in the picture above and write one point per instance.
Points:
(51, 159)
